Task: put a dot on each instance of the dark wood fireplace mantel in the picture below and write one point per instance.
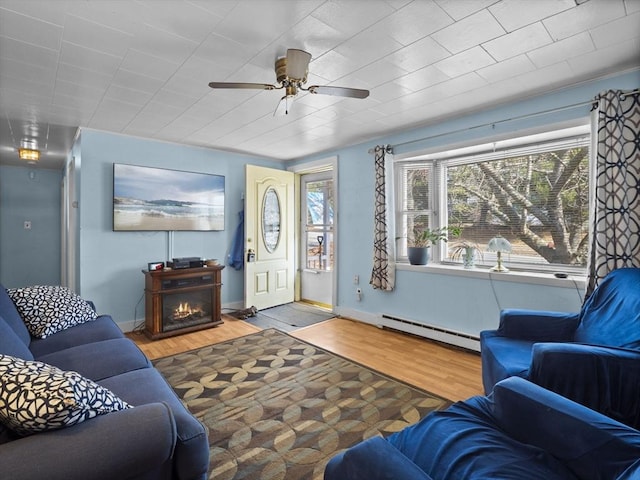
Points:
(164, 288)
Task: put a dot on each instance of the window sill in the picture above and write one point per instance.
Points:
(574, 281)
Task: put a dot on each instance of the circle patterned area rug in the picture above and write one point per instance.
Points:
(278, 408)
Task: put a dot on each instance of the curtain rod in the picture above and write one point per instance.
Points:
(489, 124)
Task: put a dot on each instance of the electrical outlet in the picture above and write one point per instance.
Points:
(27, 224)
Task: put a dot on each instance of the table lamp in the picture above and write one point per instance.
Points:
(499, 244)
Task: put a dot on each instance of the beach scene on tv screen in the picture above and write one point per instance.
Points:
(146, 198)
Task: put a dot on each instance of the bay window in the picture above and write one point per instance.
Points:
(533, 191)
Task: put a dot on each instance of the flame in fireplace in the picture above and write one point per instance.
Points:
(185, 311)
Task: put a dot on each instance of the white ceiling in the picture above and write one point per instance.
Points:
(142, 67)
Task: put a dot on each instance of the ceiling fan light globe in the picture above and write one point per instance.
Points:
(297, 64)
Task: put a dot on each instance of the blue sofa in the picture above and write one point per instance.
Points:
(520, 432)
(591, 357)
(156, 439)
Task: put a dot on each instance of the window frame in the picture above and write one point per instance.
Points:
(440, 159)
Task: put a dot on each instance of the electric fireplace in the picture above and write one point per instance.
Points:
(183, 300)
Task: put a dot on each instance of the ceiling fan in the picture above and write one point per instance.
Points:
(291, 74)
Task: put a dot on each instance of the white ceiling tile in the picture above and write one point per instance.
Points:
(468, 32)
(89, 59)
(515, 14)
(71, 73)
(46, 10)
(585, 16)
(257, 24)
(143, 64)
(188, 86)
(311, 35)
(414, 21)
(607, 59)
(94, 36)
(465, 62)
(30, 30)
(25, 85)
(173, 99)
(331, 66)
(192, 22)
(228, 53)
(423, 78)
(142, 67)
(161, 44)
(562, 50)
(134, 81)
(19, 70)
(389, 91)
(546, 78)
(518, 42)
(455, 86)
(128, 95)
(181, 127)
(506, 69)
(422, 53)
(373, 75)
(617, 30)
(211, 107)
(112, 115)
(632, 6)
(80, 90)
(366, 47)
(26, 53)
(81, 105)
(459, 9)
(352, 17)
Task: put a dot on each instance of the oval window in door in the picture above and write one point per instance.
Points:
(271, 219)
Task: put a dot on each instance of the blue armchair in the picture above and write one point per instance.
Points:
(591, 357)
(521, 431)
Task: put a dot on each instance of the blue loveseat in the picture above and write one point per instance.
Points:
(592, 357)
(157, 438)
(519, 432)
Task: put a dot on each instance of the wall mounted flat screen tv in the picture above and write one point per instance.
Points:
(153, 199)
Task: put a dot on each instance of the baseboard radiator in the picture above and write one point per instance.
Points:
(440, 334)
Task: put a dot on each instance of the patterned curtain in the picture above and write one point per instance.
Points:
(384, 268)
(615, 202)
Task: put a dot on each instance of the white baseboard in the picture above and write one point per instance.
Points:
(459, 339)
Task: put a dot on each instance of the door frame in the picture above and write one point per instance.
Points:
(321, 165)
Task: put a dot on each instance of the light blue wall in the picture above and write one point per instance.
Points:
(465, 304)
(111, 263)
(29, 257)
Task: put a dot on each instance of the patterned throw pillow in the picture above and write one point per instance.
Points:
(35, 397)
(49, 309)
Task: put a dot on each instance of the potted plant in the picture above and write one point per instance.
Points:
(418, 245)
(464, 249)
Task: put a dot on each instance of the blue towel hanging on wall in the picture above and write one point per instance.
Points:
(235, 258)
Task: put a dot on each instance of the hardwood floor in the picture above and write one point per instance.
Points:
(447, 371)
(450, 372)
(230, 329)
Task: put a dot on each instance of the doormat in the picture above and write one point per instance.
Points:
(290, 316)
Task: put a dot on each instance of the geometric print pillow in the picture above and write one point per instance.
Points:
(35, 397)
(49, 309)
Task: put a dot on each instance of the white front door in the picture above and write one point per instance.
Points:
(269, 250)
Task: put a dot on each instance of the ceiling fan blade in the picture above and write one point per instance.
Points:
(339, 91)
(297, 64)
(257, 86)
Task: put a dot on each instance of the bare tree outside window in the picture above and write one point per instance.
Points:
(539, 202)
